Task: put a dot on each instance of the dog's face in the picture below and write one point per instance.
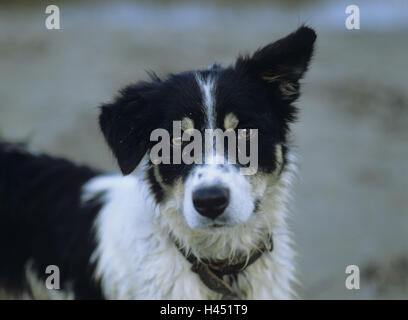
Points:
(252, 99)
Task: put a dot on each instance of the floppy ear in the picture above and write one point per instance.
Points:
(127, 123)
(280, 65)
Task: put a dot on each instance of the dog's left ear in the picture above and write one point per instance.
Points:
(280, 65)
(127, 122)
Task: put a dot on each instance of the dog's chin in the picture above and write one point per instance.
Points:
(217, 226)
(213, 227)
(207, 225)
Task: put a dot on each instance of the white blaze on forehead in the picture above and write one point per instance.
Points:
(207, 86)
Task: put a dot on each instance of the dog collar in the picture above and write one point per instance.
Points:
(211, 272)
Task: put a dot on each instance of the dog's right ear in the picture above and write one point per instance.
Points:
(127, 123)
(281, 64)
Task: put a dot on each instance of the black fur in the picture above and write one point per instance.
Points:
(43, 221)
(42, 218)
(259, 89)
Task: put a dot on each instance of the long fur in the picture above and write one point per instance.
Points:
(113, 235)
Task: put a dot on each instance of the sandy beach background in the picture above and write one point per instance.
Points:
(350, 202)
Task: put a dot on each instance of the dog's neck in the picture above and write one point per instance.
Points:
(134, 245)
(211, 273)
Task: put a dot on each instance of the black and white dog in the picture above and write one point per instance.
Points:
(163, 231)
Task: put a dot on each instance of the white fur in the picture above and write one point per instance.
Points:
(207, 89)
(136, 257)
(241, 203)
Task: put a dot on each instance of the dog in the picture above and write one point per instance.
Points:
(163, 231)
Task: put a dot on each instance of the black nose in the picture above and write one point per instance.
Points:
(211, 201)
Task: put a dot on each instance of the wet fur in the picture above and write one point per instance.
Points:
(113, 235)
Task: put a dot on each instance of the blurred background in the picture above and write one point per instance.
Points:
(350, 204)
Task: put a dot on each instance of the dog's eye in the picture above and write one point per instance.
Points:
(176, 141)
(245, 133)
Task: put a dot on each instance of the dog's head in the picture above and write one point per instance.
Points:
(252, 99)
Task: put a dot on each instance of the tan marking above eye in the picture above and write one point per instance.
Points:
(230, 121)
(186, 124)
